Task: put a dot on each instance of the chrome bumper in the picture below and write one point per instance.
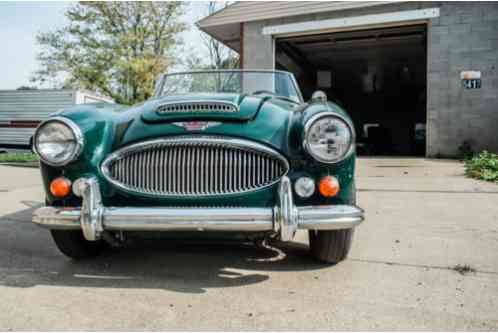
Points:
(93, 218)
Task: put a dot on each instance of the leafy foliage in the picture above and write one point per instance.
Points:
(18, 157)
(483, 166)
(220, 56)
(114, 48)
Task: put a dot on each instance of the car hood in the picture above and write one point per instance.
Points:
(262, 118)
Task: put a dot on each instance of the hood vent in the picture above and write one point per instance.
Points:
(198, 107)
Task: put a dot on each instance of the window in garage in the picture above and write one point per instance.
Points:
(377, 75)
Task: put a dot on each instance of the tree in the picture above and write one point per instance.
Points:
(115, 48)
(219, 56)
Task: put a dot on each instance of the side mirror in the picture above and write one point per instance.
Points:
(319, 96)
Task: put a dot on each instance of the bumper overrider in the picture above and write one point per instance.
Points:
(284, 219)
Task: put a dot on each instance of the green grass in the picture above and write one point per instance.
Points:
(483, 166)
(18, 157)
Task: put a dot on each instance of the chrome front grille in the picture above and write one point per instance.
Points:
(198, 106)
(194, 166)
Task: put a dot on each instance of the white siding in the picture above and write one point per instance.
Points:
(16, 136)
(84, 97)
(33, 104)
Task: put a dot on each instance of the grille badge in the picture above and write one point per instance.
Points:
(196, 125)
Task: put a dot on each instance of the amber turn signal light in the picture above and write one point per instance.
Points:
(328, 186)
(60, 187)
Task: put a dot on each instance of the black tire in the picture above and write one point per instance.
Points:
(74, 245)
(330, 246)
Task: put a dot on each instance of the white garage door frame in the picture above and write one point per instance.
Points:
(363, 22)
(352, 23)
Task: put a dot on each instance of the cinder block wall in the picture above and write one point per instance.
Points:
(464, 37)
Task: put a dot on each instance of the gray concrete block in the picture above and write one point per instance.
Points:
(490, 105)
(474, 13)
(485, 34)
(483, 26)
(437, 52)
(491, 12)
(485, 64)
(449, 19)
(435, 22)
(494, 43)
(480, 44)
(459, 44)
(489, 93)
(440, 65)
(460, 28)
(459, 63)
(439, 30)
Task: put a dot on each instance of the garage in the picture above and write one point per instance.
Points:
(377, 75)
(419, 78)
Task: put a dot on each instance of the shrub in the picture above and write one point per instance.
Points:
(483, 166)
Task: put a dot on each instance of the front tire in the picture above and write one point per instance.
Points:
(74, 245)
(330, 246)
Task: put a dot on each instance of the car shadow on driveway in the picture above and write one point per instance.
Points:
(28, 257)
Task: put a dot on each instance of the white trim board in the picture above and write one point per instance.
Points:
(355, 21)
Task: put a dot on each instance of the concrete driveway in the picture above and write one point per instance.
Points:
(423, 219)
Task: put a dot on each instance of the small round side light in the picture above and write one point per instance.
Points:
(60, 187)
(304, 187)
(79, 187)
(329, 186)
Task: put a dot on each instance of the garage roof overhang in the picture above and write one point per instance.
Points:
(225, 24)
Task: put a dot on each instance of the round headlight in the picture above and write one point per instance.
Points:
(328, 138)
(58, 141)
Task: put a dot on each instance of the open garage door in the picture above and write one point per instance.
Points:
(377, 75)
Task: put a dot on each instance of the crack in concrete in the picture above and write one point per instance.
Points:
(392, 263)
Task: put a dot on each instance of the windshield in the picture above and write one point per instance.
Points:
(230, 81)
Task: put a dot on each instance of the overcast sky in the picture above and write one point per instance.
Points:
(20, 21)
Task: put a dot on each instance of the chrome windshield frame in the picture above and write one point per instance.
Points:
(160, 83)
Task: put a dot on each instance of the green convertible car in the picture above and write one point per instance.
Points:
(235, 152)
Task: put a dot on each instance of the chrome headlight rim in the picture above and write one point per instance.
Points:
(317, 117)
(78, 137)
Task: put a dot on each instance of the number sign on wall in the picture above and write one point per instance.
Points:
(471, 79)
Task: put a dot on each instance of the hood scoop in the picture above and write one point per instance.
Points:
(198, 107)
(213, 107)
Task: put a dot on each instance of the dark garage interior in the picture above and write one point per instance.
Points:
(377, 75)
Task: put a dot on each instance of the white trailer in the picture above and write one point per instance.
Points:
(22, 110)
